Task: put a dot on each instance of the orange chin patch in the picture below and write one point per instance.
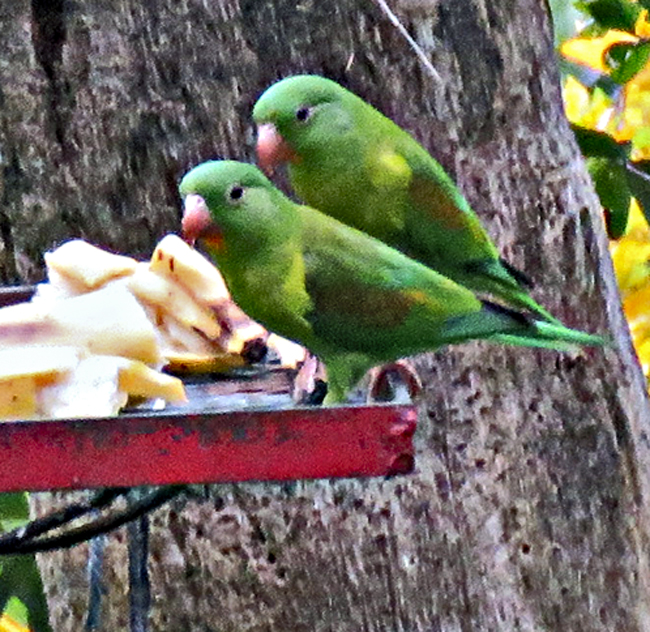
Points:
(213, 239)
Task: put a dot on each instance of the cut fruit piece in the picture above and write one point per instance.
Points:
(101, 385)
(18, 398)
(86, 265)
(175, 259)
(109, 321)
(138, 380)
(186, 363)
(44, 362)
(158, 291)
(26, 370)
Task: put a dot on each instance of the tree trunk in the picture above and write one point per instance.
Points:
(529, 507)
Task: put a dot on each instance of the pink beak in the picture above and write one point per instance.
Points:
(197, 222)
(272, 149)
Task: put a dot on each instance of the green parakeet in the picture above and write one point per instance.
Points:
(349, 298)
(351, 162)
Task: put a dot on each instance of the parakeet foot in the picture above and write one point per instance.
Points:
(396, 382)
(310, 384)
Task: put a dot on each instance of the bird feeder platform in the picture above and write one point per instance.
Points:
(239, 428)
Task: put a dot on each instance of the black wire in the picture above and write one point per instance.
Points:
(101, 525)
(139, 585)
(96, 586)
(57, 519)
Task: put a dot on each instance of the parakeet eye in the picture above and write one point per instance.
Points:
(236, 193)
(303, 113)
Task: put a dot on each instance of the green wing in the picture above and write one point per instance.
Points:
(368, 298)
(444, 232)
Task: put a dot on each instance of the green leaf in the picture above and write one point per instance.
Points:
(612, 14)
(641, 138)
(626, 59)
(14, 510)
(19, 575)
(20, 579)
(600, 145)
(610, 181)
(17, 610)
(594, 30)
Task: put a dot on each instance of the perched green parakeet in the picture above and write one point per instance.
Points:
(349, 298)
(351, 162)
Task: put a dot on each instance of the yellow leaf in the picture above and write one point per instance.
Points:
(577, 99)
(591, 51)
(642, 26)
(637, 111)
(637, 307)
(641, 144)
(640, 83)
(591, 110)
(632, 265)
(7, 624)
(637, 225)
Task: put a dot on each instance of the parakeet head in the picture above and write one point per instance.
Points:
(296, 115)
(228, 202)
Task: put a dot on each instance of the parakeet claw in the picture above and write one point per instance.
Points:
(310, 384)
(395, 382)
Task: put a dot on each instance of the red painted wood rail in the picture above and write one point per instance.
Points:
(156, 449)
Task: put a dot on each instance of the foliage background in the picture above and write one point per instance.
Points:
(606, 91)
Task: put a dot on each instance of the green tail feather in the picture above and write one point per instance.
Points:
(513, 340)
(528, 303)
(505, 282)
(549, 331)
(549, 336)
(500, 324)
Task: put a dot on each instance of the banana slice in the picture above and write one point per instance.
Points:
(108, 321)
(169, 297)
(176, 260)
(87, 267)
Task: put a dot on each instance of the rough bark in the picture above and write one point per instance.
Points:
(528, 510)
